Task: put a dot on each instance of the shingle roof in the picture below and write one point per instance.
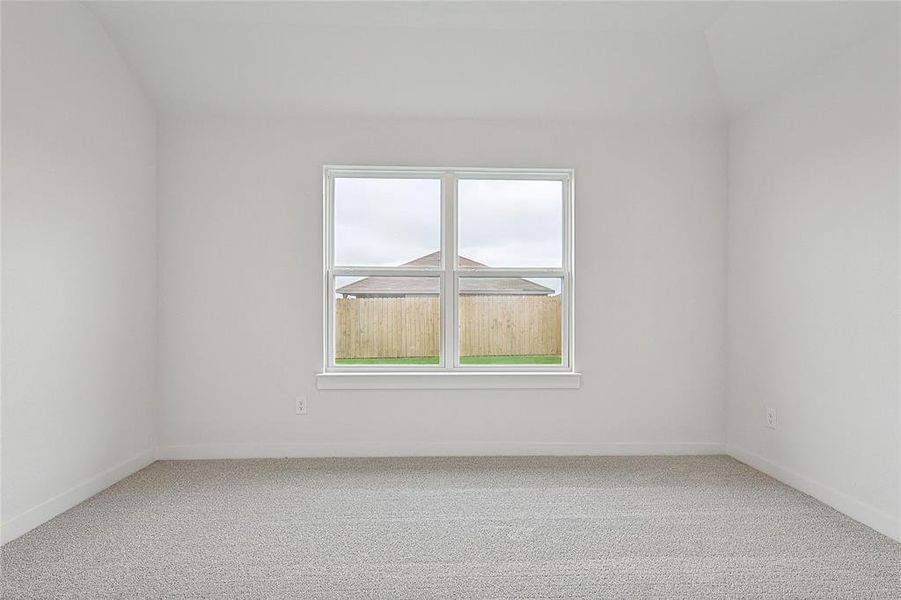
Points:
(399, 286)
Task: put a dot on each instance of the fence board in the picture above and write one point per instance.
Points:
(410, 327)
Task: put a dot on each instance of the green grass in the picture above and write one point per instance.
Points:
(415, 360)
(534, 359)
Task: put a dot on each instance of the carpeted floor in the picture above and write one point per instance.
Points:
(655, 527)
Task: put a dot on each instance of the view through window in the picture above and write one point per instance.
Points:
(443, 269)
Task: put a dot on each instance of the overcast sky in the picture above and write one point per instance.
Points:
(387, 222)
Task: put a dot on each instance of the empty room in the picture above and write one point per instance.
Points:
(450, 300)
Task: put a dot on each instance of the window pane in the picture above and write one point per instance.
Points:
(510, 321)
(510, 223)
(387, 320)
(387, 222)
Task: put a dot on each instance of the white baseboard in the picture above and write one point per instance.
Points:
(870, 516)
(37, 515)
(364, 449)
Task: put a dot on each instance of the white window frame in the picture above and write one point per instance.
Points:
(449, 372)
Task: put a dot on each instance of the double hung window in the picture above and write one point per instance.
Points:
(448, 270)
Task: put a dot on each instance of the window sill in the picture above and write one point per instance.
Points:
(448, 381)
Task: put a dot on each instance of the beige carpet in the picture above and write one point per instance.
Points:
(667, 528)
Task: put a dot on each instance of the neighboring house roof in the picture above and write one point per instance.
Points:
(429, 286)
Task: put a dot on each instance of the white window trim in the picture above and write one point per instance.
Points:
(449, 373)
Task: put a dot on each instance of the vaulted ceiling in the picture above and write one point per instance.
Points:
(618, 60)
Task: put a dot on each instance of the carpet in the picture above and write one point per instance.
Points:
(526, 527)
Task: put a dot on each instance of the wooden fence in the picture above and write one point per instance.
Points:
(409, 327)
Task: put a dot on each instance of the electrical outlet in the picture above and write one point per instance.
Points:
(300, 405)
(771, 417)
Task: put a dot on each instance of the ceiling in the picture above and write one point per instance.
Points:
(759, 47)
(623, 60)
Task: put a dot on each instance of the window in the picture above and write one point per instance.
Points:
(448, 271)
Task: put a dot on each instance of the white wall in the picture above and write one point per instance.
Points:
(813, 284)
(898, 528)
(240, 291)
(79, 263)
